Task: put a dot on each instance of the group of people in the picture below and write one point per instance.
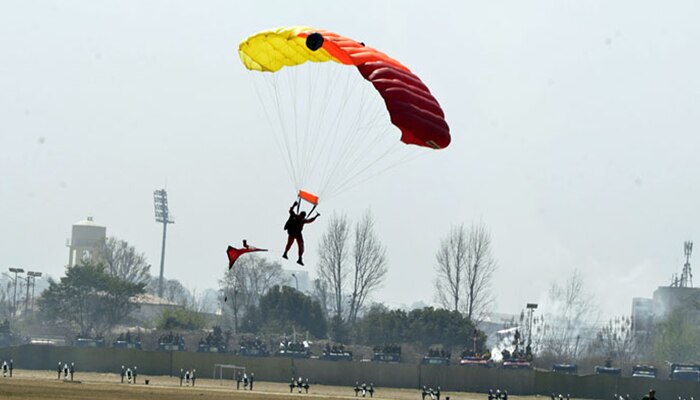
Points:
(128, 337)
(188, 377)
(246, 380)
(297, 347)
(442, 353)
(7, 368)
(469, 353)
(300, 384)
(256, 346)
(364, 389)
(169, 341)
(129, 373)
(215, 339)
(432, 394)
(387, 349)
(66, 369)
(335, 349)
(501, 395)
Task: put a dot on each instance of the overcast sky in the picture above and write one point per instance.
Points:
(574, 126)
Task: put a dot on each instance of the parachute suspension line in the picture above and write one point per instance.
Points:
(363, 126)
(263, 103)
(285, 136)
(317, 134)
(348, 185)
(332, 159)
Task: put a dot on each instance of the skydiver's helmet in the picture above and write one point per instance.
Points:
(302, 214)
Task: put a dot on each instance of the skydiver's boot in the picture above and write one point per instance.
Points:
(285, 256)
(300, 262)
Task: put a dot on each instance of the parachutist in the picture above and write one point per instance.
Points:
(314, 41)
(294, 226)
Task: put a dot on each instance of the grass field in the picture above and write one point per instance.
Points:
(95, 386)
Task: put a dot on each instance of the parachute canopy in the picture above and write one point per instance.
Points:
(411, 106)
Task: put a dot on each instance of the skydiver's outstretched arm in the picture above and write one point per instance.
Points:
(310, 220)
(291, 209)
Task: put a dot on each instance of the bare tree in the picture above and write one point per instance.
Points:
(451, 264)
(465, 266)
(333, 253)
(244, 284)
(480, 266)
(369, 267)
(124, 262)
(569, 313)
(616, 340)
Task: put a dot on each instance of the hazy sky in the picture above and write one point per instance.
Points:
(574, 125)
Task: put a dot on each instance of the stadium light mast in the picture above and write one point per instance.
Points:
(160, 201)
(14, 297)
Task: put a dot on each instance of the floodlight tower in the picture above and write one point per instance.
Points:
(160, 200)
(14, 297)
(687, 276)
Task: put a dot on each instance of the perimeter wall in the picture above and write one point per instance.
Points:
(277, 369)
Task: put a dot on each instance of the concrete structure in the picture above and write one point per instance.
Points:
(87, 241)
(647, 312)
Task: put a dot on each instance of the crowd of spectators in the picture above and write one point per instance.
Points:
(249, 346)
(215, 341)
(441, 353)
(169, 342)
(127, 341)
(387, 349)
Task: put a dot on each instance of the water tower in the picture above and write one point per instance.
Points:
(87, 241)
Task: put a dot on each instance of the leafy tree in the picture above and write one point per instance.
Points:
(426, 326)
(180, 318)
(88, 298)
(677, 338)
(284, 309)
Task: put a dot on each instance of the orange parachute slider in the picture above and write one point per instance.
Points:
(308, 197)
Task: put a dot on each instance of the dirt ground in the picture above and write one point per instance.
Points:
(38, 385)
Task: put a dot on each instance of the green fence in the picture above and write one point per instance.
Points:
(346, 373)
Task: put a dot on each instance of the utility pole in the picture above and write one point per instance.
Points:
(33, 275)
(160, 200)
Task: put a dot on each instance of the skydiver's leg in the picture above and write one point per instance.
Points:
(290, 240)
(300, 245)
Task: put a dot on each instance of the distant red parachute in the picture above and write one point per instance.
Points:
(233, 253)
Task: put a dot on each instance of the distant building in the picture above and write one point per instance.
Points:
(87, 241)
(648, 312)
(149, 308)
